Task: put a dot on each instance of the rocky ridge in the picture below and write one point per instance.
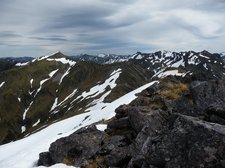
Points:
(178, 127)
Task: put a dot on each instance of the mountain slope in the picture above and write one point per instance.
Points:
(55, 87)
(23, 153)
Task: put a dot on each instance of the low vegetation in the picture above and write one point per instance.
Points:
(173, 90)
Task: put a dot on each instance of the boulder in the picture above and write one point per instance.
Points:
(45, 159)
(75, 149)
(144, 116)
(187, 142)
(206, 93)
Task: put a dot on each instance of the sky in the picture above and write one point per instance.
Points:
(39, 27)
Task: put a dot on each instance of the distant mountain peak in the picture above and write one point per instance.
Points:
(53, 55)
(102, 55)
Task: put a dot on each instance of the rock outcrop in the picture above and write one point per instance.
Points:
(180, 127)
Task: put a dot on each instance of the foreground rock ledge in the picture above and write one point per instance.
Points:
(140, 136)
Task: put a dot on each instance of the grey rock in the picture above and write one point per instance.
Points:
(189, 142)
(208, 92)
(77, 148)
(45, 159)
(142, 116)
(120, 123)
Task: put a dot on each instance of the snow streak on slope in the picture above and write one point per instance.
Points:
(98, 89)
(24, 153)
(40, 87)
(51, 74)
(2, 84)
(23, 128)
(44, 57)
(35, 124)
(22, 64)
(170, 72)
(26, 110)
(64, 75)
(56, 104)
(63, 61)
(31, 83)
(38, 59)
(19, 99)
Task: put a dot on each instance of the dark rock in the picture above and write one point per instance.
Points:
(206, 93)
(121, 111)
(216, 119)
(120, 123)
(78, 147)
(152, 89)
(216, 109)
(189, 142)
(149, 131)
(45, 159)
(119, 155)
(142, 116)
(184, 105)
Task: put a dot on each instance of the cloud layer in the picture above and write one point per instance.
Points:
(39, 27)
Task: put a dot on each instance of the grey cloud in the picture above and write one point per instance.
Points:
(110, 26)
(9, 34)
(52, 38)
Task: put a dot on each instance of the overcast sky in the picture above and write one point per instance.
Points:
(39, 27)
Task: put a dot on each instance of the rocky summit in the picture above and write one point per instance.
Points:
(176, 123)
(147, 110)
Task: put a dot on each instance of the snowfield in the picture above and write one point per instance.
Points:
(24, 153)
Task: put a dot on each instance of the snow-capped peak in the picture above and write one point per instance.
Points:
(102, 55)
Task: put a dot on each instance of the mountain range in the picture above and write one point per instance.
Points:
(61, 95)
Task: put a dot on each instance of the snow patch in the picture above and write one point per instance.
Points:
(101, 127)
(47, 56)
(31, 83)
(178, 63)
(170, 72)
(101, 55)
(40, 87)
(26, 110)
(98, 89)
(205, 66)
(23, 129)
(64, 75)
(58, 165)
(22, 64)
(2, 84)
(200, 55)
(35, 124)
(63, 60)
(193, 60)
(139, 56)
(54, 104)
(51, 74)
(19, 99)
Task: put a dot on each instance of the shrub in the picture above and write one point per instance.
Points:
(174, 90)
